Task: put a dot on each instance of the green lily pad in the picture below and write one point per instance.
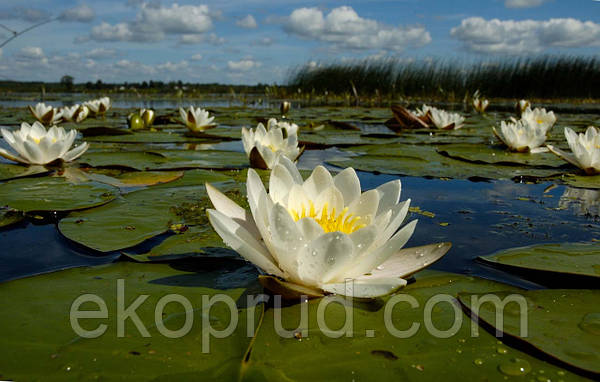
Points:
(478, 153)
(373, 353)
(564, 324)
(582, 181)
(10, 217)
(425, 161)
(40, 342)
(566, 264)
(139, 215)
(54, 194)
(193, 242)
(145, 137)
(135, 178)
(12, 171)
(166, 159)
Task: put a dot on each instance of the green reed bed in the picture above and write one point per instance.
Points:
(541, 77)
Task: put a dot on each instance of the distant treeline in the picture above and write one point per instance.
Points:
(542, 78)
(66, 85)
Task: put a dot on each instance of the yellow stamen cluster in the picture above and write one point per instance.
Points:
(330, 221)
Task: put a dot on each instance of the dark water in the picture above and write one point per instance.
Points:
(479, 218)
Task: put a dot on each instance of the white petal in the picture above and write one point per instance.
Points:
(76, 152)
(319, 180)
(34, 155)
(12, 157)
(242, 242)
(310, 229)
(230, 209)
(369, 261)
(365, 289)
(280, 183)
(389, 195)
(292, 169)
(365, 206)
(323, 258)
(349, 185)
(330, 198)
(408, 261)
(564, 155)
(286, 239)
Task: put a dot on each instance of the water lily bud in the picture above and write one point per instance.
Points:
(285, 107)
(135, 122)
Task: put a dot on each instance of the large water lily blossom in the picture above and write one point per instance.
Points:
(445, 120)
(196, 119)
(313, 235)
(36, 145)
(264, 146)
(539, 118)
(46, 114)
(585, 148)
(521, 136)
(99, 106)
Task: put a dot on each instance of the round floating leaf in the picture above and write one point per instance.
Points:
(54, 194)
(196, 240)
(479, 153)
(561, 265)
(166, 159)
(39, 308)
(138, 216)
(425, 161)
(371, 352)
(135, 178)
(565, 324)
(10, 217)
(582, 181)
(12, 171)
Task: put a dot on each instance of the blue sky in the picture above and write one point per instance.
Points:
(251, 41)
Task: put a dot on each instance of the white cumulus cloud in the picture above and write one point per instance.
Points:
(154, 22)
(526, 36)
(345, 29)
(243, 65)
(247, 22)
(81, 13)
(99, 53)
(196, 57)
(523, 3)
(31, 52)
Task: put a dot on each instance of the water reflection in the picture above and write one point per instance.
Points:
(581, 201)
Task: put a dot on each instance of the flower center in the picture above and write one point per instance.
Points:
(539, 121)
(329, 220)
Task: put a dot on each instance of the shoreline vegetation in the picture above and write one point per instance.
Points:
(371, 82)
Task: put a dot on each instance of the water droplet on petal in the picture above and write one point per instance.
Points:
(380, 267)
(314, 252)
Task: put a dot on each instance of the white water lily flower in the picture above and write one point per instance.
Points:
(480, 104)
(35, 145)
(521, 136)
(99, 106)
(319, 232)
(84, 111)
(196, 119)
(75, 113)
(265, 145)
(585, 148)
(539, 118)
(445, 120)
(46, 114)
